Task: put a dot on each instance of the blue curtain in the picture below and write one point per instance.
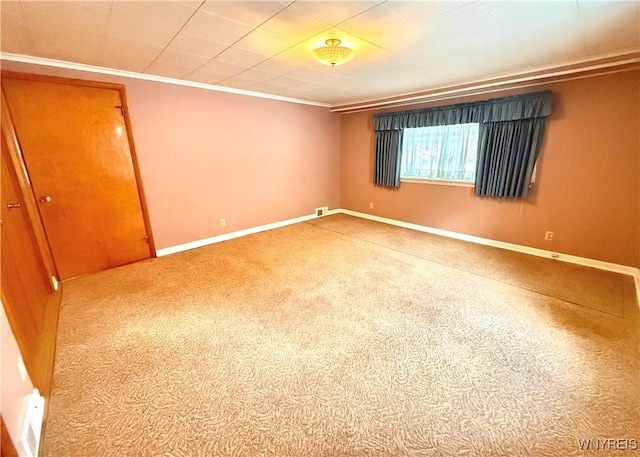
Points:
(386, 170)
(511, 134)
(507, 153)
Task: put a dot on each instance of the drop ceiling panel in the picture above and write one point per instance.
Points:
(401, 46)
(337, 12)
(181, 59)
(153, 23)
(168, 70)
(215, 28)
(295, 23)
(607, 26)
(264, 43)
(374, 23)
(125, 54)
(14, 35)
(65, 44)
(251, 13)
(78, 15)
(195, 45)
(241, 57)
(420, 13)
(222, 68)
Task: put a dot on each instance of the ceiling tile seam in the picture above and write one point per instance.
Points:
(102, 35)
(173, 37)
(504, 32)
(28, 29)
(305, 39)
(359, 14)
(240, 39)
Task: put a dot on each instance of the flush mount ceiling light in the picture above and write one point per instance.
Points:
(333, 54)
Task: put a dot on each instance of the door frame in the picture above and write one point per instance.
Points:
(18, 160)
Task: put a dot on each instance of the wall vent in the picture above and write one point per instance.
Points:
(29, 443)
(322, 211)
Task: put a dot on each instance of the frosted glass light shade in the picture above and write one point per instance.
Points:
(333, 54)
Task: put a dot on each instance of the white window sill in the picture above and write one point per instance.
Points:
(438, 182)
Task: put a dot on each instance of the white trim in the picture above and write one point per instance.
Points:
(485, 85)
(438, 182)
(161, 79)
(229, 236)
(584, 261)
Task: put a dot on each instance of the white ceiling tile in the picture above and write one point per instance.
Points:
(295, 23)
(278, 65)
(65, 44)
(79, 15)
(401, 46)
(207, 78)
(264, 43)
(251, 13)
(241, 57)
(125, 54)
(610, 26)
(215, 28)
(181, 59)
(168, 70)
(222, 68)
(14, 35)
(515, 16)
(286, 81)
(198, 46)
(153, 23)
(375, 22)
(258, 75)
(334, 13)
(421, 12)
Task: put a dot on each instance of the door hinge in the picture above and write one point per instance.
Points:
(121, 108)
(146, 239)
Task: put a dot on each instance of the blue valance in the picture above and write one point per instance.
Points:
(516, 107)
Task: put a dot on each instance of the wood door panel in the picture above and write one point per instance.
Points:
(75, 146)
(25, 285)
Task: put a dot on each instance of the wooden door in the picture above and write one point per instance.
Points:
(26, 289)
(76, 150)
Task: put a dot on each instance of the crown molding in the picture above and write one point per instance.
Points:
(161, 79)
(607, 64)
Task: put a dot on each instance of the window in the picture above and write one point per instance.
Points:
(446, 152)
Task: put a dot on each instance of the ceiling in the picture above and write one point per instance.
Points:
(265, 46)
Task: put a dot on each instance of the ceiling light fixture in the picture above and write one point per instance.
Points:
(333, 54)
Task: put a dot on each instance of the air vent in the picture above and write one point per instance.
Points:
(322, 211)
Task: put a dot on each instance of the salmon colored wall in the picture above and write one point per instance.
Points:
(206, 155)
(588, 179)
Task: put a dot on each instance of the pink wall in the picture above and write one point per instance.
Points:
(206, 155)
(588, 180)
(14, 388)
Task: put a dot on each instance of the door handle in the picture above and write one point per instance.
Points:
(45, 199)
(13, 205)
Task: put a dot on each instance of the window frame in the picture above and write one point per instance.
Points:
(439, 181)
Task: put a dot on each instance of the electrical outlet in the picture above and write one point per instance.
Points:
(371, 205)
(548, 235)
(223, 222)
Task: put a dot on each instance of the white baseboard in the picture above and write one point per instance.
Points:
(229, 236)
(584, 261)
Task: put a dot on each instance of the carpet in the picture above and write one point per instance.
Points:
(343, 337)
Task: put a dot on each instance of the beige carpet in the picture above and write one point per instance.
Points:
(344, 337)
